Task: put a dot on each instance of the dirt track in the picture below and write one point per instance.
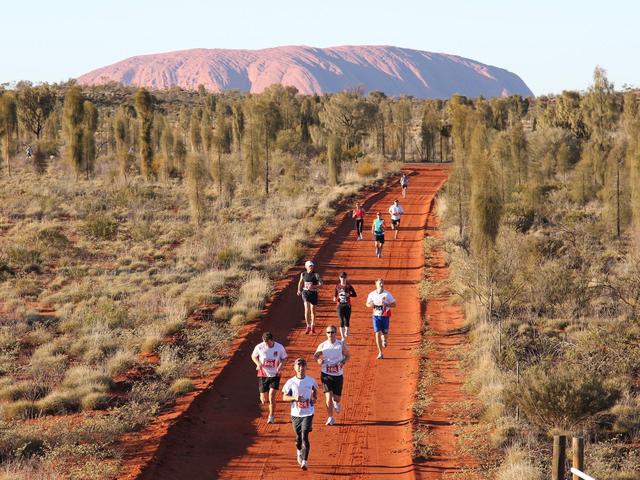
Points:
(223, 433)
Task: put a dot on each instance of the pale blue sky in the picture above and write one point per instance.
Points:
(552, 45)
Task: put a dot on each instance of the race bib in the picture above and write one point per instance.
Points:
(308, 285)
(302, 404)
(269, 363)
(343, 297)
(378, 310)
(333, 368)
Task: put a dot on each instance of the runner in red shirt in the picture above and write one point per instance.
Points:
(342, 297)
(358, 214)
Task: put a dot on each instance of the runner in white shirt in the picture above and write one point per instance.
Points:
(302, 392)
(269, 357)
(381, 301)
(396, 211)
(331, 355)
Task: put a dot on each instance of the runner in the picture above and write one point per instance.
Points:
(342, 296)
(378, 233)
(269, 357)
(396, 211)
(358, 214)
(308, 287)
(302, 392)
(331, 355)
(381, 301)
(404, 183)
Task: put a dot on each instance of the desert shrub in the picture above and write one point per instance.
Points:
(627, 416)
(22, 257)
(100, 227)
(228, 256)
(222, 314)
(367, 170)
(612, 460)
(181, 386)
(95, 401)
(563, 395)
(518, 466)
(59, 403)
(19, 410)
(120, 362)
(23, 391)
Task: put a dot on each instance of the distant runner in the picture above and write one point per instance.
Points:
(377, 228)
(342, 296)
(396, 211)
(404, 183)
(358, 214)
(331, 355)
(382, 302)
(302, 392)
(269, 357)
(308, 286)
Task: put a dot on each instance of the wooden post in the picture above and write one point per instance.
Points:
(559, 457)
(577, 452)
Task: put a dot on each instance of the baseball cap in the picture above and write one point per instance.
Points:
(299, 360)
(308, 263)
(343, 275)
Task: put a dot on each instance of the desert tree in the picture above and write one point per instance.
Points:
(35, 105)
(73, 128)
(195, 175)
(429, 127)
(222, 139)
(144, 110)
(89, 126)
(195, 130)
(121, 136)
(334, 157)
(8, 124)
(402, 110)
(179, 152)
(348, 115)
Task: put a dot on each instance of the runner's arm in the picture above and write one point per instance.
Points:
(320, 282)
(256, 360)
(352, 291)
(346, 354)
(318, 356)
(300, 283)
(289, 396)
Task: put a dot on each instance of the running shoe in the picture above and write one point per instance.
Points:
(307, 330)
(336, 406)
(271, 419)
(303, 465)
(380, 356)
(299, 457)
(329, 421)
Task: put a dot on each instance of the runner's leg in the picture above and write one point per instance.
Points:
(272, 402)
(379, 341)
(328, 396)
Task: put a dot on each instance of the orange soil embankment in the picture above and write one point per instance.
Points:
(446, 332)
(222, 432)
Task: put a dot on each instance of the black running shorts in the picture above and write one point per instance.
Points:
(302, 424)
(266, 383)
(380, 238)
(310, 296)
(332, 383)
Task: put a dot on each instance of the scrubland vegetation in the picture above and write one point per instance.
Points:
(143, 233)
(541, 219)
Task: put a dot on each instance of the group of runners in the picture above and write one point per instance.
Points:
(332, 355)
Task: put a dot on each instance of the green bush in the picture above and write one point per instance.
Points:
(100, 227)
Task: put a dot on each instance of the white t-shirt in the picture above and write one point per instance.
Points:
(380, 303)
(332, 357)
(303, 388)
(271, 358)
(396, 211)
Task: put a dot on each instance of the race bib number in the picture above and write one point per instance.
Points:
(269, 363)
(378, 310)
(308, 285)
(343, 297)
(302, 404)
(333, 368)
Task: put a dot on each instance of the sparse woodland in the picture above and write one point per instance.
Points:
(147, 226)
(542, 219)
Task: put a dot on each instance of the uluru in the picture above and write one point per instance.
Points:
(392, 70)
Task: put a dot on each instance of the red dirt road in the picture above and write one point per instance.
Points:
(224, 434)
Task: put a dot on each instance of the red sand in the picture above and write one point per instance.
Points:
(220, 431)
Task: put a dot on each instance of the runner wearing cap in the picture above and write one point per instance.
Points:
(377, 228)
(308, 286)
(342, 297)
(331, 355)
(396, 211)
(302, 392)
(381, 301)
(358, 215)
(269, 357)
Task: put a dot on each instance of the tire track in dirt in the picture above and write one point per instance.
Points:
(223, 432)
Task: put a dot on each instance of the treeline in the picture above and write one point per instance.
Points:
(153, 133)
(543, 211)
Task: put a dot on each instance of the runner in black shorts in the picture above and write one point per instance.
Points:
(342, 297)
(332, 355)
(377, 228)
(269, 357)
(308, 286)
